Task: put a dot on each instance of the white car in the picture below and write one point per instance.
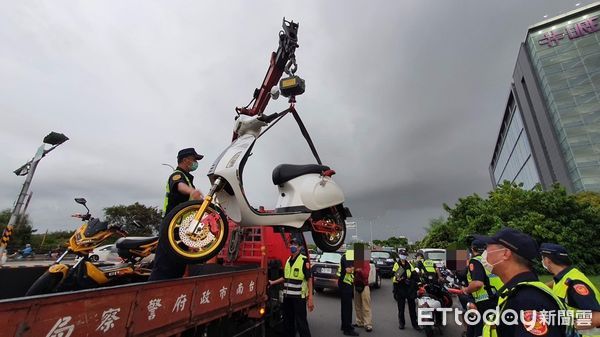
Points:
(107, 253)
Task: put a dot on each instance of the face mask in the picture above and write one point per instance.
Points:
(486, 264)
(293, 249)
(544, 265)
(194, 166)
(403, 257)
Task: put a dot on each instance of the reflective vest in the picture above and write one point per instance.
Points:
(560, 290)
(489, 330)
(491, 284)
(396, 267)
(168, 191)
(429, 267)
(348, 277)
(295, 284)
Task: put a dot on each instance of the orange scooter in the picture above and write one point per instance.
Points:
(84, 273)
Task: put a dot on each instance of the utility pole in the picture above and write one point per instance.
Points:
(371, 228)
(54, 139)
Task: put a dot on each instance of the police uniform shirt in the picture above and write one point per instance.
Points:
(528, 298)
(176, 197)
(477, 271)
(305, 269)
(579, 295)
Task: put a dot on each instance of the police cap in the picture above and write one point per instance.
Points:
(190, 151)
(553, 249)
(478, 243)
(515, 240)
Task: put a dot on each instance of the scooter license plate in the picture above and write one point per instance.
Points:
(326, 270)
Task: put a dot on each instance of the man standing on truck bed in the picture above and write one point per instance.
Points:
(180, 188)
(297, 292)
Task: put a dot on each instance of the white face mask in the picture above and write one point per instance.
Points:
(544, 265)
(403, 257)
(486, 264)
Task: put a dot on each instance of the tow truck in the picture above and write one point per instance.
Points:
(227, 298)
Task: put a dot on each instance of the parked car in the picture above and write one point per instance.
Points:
(384, 261)
(313, 257)
(105, 253)
(324, 272)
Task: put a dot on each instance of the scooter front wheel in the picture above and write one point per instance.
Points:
(199, 247)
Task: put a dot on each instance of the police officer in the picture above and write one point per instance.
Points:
(346, 285)
(405, 290)
(571, 285)
(483, 286)
(297, 292)
(180, 188)
(509, 254)
(427, 268)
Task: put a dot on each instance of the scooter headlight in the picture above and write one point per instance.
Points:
(233, 159)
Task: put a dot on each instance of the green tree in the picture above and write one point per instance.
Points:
(548, 216)
(149, 217)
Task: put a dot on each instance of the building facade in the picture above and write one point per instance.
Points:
(551, 126)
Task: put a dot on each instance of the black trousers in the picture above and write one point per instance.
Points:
(412, 310)
(165, 266)
(346, 294)
(294, 317)
(477, 329)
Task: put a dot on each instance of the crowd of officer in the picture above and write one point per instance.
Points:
(500, 281)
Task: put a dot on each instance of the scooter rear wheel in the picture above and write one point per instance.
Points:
(195, 248)
(331, 242)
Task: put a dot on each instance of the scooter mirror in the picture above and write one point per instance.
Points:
(81, 201)
(275, 92)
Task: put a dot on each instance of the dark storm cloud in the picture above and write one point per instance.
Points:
(403, 100)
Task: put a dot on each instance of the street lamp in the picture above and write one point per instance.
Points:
(28, 169)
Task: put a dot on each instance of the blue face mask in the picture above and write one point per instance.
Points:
(194, 166)
(293, 249)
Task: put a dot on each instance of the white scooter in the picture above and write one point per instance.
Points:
(309, 200)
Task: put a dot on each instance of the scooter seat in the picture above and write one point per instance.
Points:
(134, 242)
(286, 172)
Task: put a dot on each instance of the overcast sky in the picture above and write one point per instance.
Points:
(403, 98)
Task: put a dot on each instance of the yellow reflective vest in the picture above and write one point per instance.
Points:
(491, 288)
(348, 277)
(168, 191)
(560, 290)
(489, 330)
(397, 266)
(295, 284)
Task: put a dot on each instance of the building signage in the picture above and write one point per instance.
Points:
(577, 30)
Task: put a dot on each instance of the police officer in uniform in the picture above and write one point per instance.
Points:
(346, 285)
(483, 286)
(571, 285)
(509, 254)
(405, 290)
(180, 188)
(297, 292)
(427, 268)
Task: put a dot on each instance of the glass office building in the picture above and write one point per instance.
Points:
(515, 162)
(553, 132)
(566, 58)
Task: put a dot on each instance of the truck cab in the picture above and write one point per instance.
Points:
(437, 255)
